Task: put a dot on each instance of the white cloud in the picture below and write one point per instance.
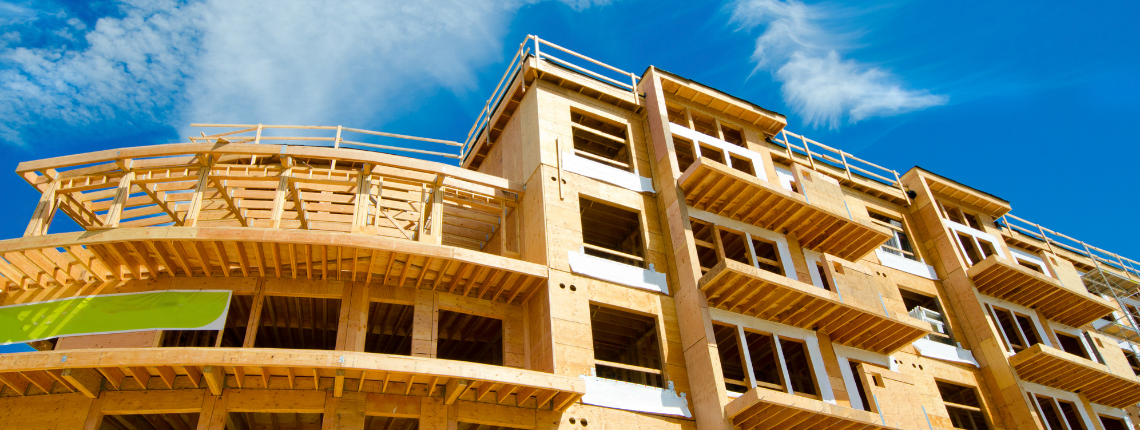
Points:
(352, 62)
(801, 48)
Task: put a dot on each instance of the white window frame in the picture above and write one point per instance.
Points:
(978, 236)
(1077, 333)
(1022, 255)
(808, 337)
(1042, 337)
(1033, 390)
(845, 354)
(726, 149)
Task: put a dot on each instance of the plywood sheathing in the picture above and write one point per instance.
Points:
(1058, 369)
(761, 408)
(713, 187)
(1071, 305)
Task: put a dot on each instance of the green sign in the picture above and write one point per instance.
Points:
(114, 313)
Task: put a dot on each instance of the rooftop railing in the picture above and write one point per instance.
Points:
(1130, 268)
(815, 153)
(325, 136)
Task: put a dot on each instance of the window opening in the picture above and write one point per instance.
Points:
(823, 276)
(713, 153)
(274, 420)
(676, 114)
(742, 164)
(859, 387)
(1134, 311)
(685, 155)
(626, 346)
(972, 221)
(766, 370)
(732, 135)
(1071, 344)
(1018, 330)
(899, 243)
(706, 245)
(1133, 362)
(703, 123)
(987, 249)
(963, 405)
(600, 140)
(1093, 346)
(787, 179)
(470, 338)
(1072, 417)
(767, 255)
(952, 213)
(968, 248)
(1027, 329)
(612, 233)
(1031, 266)
(799, 367)
(390, 423)
(298, 323)
(731, 361)
(928, 309)
(149, 421)
(735, 248)
(389, 329)
(1111, 423)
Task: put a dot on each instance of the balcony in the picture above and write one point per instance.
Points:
(740, 288)
(1069, 305)
(714, 187)
(215, 369)
(1058, 369)
(762, 408)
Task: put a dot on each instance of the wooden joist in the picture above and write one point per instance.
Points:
(762, 408)
(150, 253)
(676, 86)
(1069, 305)
(744, 289)
(713, 187)
(1054, 368)
(222, 368)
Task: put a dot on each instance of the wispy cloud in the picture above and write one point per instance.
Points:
(289, 61)
(801, 47)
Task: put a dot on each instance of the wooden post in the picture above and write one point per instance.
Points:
(195, 208)
(45, 211)
(115, 213)
(279, 197)
(363, 190)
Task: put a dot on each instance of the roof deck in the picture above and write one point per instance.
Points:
(740, 288)
(1069, 305)
(92, 371)
(761, 408)
(714, 187)
(1058, 369)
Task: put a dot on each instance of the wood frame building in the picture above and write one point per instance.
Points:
(612, 251)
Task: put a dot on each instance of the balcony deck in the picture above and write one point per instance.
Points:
(762, 408)
(713, 187)
(91, 371)
(121, 254)
(1058, 369)
(1069, 305)
(740, 288)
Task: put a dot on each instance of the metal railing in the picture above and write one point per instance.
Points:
(255, 133)
(816, 152)
(525, 48)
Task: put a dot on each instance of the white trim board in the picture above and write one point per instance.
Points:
(634, 397)
(1032, 388)
(940, 351)
(779, 239)
(612, 271)
(698, 138)
(592, 169)
(844, 355)
(906, 265)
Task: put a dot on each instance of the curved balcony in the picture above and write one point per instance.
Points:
(215, 369)
(714, 187)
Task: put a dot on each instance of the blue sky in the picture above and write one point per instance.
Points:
(1034, 102)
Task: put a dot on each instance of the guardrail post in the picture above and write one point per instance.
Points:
(898, 181)
(45, 211)
(811, 160)
(336, 143)
(537, 55)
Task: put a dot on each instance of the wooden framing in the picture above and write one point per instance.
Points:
(740, 288)
(228, 368)
(713, 187)
(1058, 369)
(1001, 279)
(767, 121)
(761, 408)
(159, 252)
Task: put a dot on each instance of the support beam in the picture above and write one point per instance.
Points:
(215, 379)
(454, 388)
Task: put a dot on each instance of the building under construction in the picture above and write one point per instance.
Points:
(603, 251)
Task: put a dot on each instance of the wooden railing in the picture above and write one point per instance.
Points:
(516, 63)
(260, 133)
(1129, 267)
(817, 153)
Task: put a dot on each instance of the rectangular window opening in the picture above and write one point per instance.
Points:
(626, 346)
(1029, 265)
(731, 361)
(732, 135)
(969, 250)
(676, 114)
(298, 323)
(601, 140)
(1072, 417)
(928, 309)
(799, 367)
(767, 255)
(823, 276)
(743, 165)
(706, 245)
(963, 405)
(899, 243)
(1133, 362)
(859, 386)
(735, 248)
(389, 329)
(149, 421)
(713, 153)
(1049, 412)
(612, 233)
(1007, 322)
(703, 123)
(972, 221)
(766, 370)
(470, 338)
(274, 420)
(685, 155)
(1112, 423)
(1071, 344)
